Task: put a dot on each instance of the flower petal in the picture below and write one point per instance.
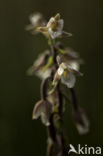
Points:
(73, 71)
(39, 64)
(51, 21)
(60, 70)
(57, 17)
(60, 24)
(66, 34)
(81, 121)
(43, 74)
(72, 54)
(75, 65)
(42, 108)
(35, 18)
(38, 108)
(54, 34)
(69, 80)
(45, 115)
(45, 119)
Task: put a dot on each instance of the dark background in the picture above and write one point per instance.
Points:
(19, 135)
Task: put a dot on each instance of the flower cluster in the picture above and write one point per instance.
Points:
(58, 68)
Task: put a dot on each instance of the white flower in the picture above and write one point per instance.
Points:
(36, 20)
(38, 66)
(73, 59)
(69, 57)
(54, 28)
(67, 74)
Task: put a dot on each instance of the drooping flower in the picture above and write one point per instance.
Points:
(54, 28)
(66, 74)
(81, 121)
(41, 67)
(69, 56)
(72, 58)
(42, 108)
(36, 20)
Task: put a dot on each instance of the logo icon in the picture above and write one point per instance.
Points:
(82, 150)
(72, 149)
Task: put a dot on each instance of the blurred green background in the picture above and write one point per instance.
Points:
(19, 135)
